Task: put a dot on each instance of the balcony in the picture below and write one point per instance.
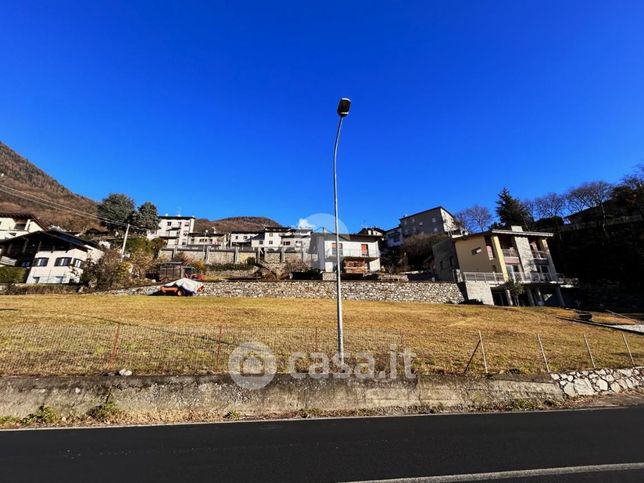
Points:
(497, 278)
(539, 255)
(353, 253)
(510, 253)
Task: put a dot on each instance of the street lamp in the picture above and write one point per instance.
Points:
(343, 110)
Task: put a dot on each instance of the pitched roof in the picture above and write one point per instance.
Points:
(56, 234)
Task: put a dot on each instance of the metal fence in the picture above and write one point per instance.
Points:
(106, 347)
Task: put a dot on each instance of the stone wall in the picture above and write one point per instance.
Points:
(433, 292)
(352, 290)
(478, 291)
(599, 381)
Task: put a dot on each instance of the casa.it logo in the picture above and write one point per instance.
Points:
(252, 365)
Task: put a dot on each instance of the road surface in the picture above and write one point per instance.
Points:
(581, 445)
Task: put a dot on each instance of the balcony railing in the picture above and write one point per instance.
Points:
(510, 252)
(353, 253)
(540, 254)
(520, 277)
(481, 277)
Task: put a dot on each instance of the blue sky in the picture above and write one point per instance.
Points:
(228, 108)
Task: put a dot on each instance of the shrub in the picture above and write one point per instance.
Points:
(44, 415)
(104, 412)
(12, 275)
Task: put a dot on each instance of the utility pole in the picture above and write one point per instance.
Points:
(127, 230)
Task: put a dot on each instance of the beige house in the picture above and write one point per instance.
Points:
(493, 261)
(50, 256)
(17, 224)
(175, 230)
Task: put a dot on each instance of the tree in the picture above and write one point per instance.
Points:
(550, 205)
(511, 211)
(588, 195)
(115, 210)
(418, 249)
(108, 272)
(146, 217)
(474, 218)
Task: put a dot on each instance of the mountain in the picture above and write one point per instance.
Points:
(31, 182)
(236, 223)
(25, 187)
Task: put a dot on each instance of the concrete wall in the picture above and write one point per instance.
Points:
(219, 394)
(478, 291)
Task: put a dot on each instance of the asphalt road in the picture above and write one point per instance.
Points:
(340, 449)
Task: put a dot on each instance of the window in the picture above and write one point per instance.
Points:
(168, 223)
(420, 223)
(476, 251)
(270, 242)
(25, 264)
(40, 262)
(63, 262)
(78, 263)
(435, 229)
(286, 243)
(433, 219)
(261, 242)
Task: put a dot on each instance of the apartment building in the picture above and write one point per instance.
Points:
(295, 239)
(175, 230)
(18, 224)
(429, 222)
(49, 256)
(241, 238)
(207, 239)
(486, 262)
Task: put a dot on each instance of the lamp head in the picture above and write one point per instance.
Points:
(343, 106)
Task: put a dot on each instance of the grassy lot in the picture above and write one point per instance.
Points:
(92, 334)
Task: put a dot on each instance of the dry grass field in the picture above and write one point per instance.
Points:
(94, 334)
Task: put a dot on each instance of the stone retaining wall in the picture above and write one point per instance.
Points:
(433, 292)
(599, 381)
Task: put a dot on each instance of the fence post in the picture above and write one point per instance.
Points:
(221, 329)
(630, 354)
(115, 348)
(592, 360)
(483, 351)
(316, 339)
(543, 353)
(472, 356)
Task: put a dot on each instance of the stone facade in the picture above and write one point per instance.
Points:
(432, 292)
(599, 381)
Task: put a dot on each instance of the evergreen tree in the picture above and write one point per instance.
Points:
(116, 210)
(146, 217)
(511, 211)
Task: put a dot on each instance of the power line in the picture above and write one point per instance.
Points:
(57, 206)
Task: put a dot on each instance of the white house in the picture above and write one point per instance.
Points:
(359, 254)
(50, 256)
(283, 237)
(17, 224)
(175, 230)
(241, 238)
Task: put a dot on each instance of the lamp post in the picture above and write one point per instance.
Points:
(343, 110)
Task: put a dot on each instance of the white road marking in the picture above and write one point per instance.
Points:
(502, 475)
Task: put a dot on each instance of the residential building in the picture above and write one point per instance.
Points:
(488, 261)
(17, 224)
(359, 254)
(429, 222)
(241, 238)
(175, 230)
(393, 237)
(50, 256)
(213, 240)
(294, 239)
(372, 230)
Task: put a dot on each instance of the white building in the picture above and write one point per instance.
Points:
(50, 256)
(175, 230)
(359, 254)
(213, 240)
(281, 237)
(241, 238)
(429, 222)
(17, 224)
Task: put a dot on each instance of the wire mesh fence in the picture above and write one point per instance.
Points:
(101, 346)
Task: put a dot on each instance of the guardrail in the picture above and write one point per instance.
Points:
(355, 253)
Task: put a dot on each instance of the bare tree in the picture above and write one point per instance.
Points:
(550, 205)
(588, 195)
(474, 218)
(635, 180)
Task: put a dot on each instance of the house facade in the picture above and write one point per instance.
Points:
(18, 224)
(175, 230)
(207, 239)
(241, 238)
(51, 257)
(429, 222)
(359, 254)
(293, 239)
(497, 261)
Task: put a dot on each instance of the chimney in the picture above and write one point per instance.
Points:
(516, 228)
